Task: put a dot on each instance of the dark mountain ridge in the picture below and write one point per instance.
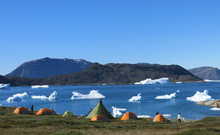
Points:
(48, 67)
(123, 74)
(206, 73)
(4, 80)
(81, 72)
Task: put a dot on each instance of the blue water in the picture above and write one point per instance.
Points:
(118, 96)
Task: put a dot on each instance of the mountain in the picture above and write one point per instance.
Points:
(48, 67)
(206, 73)
(123, 74)
(4, 80)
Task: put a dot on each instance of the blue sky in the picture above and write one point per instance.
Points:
(184, 32)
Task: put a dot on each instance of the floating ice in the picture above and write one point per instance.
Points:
(212, 80)
(167, 115)
(116, 112)
(170, 96)
(93, 94)
(39, 86)
(156, 81)
(199, 96)
(215, 109)
(4, 85)
(143, 116)
(135, 98)
(52, 97)
(19, 97)
(179, 82)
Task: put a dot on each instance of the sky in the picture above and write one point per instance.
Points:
(183, 32)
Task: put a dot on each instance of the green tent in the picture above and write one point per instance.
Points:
(68, 114)
(99, 110)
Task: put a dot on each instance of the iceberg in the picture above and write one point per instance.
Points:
(200, 96)
(52, 97)
(211, 80)
(2, 86)
(167, 115)
(143, 116)
(215, 109)
(179, 82)
(39, 86)
(170, 96)
(19, 97)
(156, 81)
(135, 98)
(93, 94)
(116, 112)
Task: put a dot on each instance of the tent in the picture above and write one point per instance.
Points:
(159, 118)
(68, 114)
(22, 110)
(99, 118)
(100, 110)
(129, 116)
(45, 111)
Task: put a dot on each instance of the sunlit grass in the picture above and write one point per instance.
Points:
(11, 124)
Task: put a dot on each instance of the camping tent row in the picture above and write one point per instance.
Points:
(98, 113)
(43, 111)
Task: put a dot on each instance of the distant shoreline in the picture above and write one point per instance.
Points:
(108, 84)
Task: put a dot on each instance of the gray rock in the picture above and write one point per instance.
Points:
(206, 73)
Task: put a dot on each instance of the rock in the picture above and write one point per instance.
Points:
(206, 73)
(211, 103)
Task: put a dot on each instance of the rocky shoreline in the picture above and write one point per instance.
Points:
(210, 103)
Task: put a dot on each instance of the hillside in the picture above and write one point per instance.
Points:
(48, 67)
(12, 124)
(123, 74)
(4, 80)
(206, 73)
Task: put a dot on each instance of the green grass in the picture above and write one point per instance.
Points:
(11, 124)
(206, 131)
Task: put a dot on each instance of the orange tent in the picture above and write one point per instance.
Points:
(159, 118)
(21, 110)
(129, 116)
(45, 111)
(99, 118)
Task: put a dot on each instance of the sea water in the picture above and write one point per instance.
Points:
(118, 96)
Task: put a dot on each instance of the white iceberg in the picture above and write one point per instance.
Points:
(143, 116)
(200, 96)
(179, 82)
(19, 97)
(135, 98)
(211, 80)
(52, 97)
(167, 115)
(39, 86)
(170, 96)
(215, 109)
(2, 86)
(116, 112)
(93, 94)
(156, 81)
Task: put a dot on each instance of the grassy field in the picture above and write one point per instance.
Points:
(11, 124)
